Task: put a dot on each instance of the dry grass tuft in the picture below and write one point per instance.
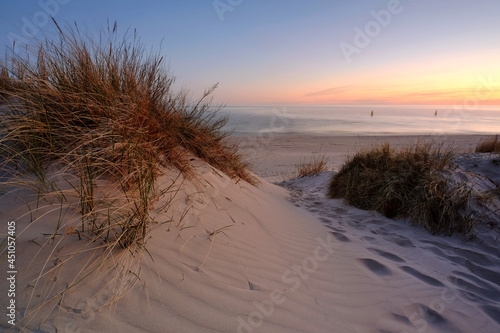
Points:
(102, 111)
(315, 164)
(405, 183)
(5, 82)
(491, 145)
(105, 108)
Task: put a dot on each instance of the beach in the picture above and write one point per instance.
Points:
(273, 157)
(249, 167)
(227, 256)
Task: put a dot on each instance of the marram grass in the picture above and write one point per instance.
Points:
(491, 145)
(101, 111)
(406, 184)
(311, 166)
(106, 109)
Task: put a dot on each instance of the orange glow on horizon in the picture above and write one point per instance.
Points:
(379, 96)
(387, 85)
(485, 91)
(410, 87)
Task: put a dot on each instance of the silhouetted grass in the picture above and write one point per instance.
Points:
(5, 82)
(491, 145)
(407, 184)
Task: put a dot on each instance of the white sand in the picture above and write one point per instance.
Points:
(266, 259)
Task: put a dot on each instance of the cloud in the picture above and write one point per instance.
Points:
(443, 93)
(327, 92)
(371, 101)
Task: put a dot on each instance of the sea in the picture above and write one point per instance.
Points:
(362, 120)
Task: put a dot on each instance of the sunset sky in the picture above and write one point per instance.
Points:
(266, 52)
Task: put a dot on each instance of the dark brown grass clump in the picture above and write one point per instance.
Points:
(405, 184)
(5, 82)
(491, 145)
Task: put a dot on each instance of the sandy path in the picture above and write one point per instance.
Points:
(432, 283)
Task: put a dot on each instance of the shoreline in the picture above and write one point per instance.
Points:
(274, 157)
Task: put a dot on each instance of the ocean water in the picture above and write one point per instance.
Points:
(357, 120)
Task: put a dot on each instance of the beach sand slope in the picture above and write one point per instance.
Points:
(226, 256)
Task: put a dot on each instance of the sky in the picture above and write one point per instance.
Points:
(277, 52)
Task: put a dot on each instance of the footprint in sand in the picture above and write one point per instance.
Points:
(402, 319)
(369, 239)
(433, 316)
(325, 220)
(376, 267)
(477, 257)
(424, 317)
(422, 277)
(340, 211)
(342, 231)
(477, 292)
(398, 320)
(482, 272)
(253, 286)
(387, 255)
(478, 282)
(492, 311)
(399, 240)
(340, 237)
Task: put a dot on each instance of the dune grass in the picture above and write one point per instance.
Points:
(103, 110)
(407, 184)
(105, 107)
(311, 166)
(4, 82)
(491, 145)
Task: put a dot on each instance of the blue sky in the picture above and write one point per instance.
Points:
(290, 52)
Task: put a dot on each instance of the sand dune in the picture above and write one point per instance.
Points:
(239, 258)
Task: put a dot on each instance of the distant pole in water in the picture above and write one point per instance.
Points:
(436, 113)
(372, 113)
